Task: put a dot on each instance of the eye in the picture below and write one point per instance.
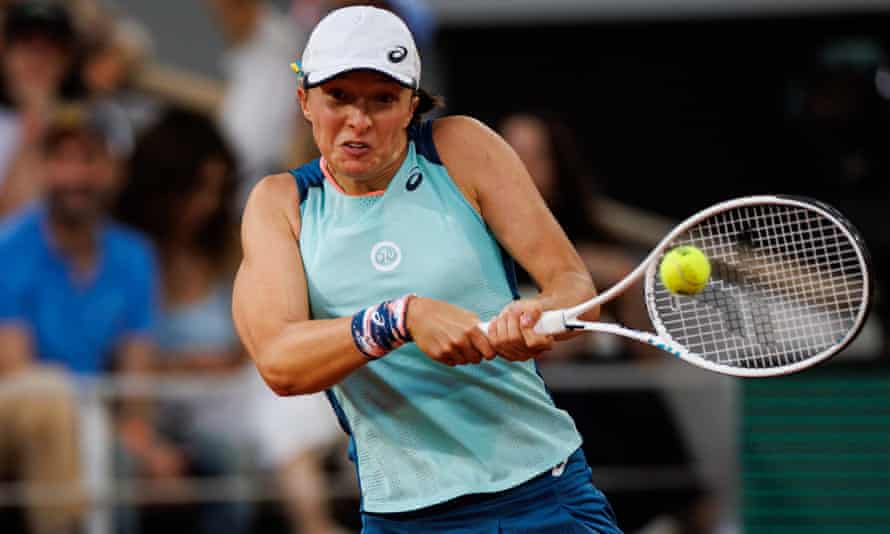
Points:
(337, 94)
(386, 98)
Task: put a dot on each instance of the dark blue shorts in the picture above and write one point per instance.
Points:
(547, 504)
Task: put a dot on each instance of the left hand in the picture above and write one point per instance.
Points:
(512, 333)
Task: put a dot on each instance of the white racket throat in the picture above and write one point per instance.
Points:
(551, 322)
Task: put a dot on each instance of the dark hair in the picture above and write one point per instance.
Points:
(427, 103)
(52, 20)
(166, 168)
(33, 17)
(575, 183)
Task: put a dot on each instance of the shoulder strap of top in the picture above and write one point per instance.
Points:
(308, 175)
(422, 135)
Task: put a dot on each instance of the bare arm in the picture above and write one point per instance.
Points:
(135, 359)
(494, 179)
(135, 355)
(18, 187)
(15, 349)
(271, 305)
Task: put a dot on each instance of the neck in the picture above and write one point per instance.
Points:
(179, 243)
(76, 241)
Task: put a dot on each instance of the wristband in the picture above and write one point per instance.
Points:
(381, 329)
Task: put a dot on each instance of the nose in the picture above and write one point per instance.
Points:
(359, 119)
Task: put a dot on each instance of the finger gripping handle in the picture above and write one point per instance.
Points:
(551, 322)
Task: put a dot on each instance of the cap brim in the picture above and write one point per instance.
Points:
(321, 76)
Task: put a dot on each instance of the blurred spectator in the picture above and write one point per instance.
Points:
(181, 192)
(116, 52)
(113, 53)
(119, 68)
(260, 116)
(78, 298)
(294, 434)
(259, 111)
(549, 152)
(39, 48)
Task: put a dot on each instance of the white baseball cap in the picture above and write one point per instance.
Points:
(360, 37)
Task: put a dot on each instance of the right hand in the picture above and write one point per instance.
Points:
(159, 459)
(446, 333)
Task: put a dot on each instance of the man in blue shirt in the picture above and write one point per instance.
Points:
(77, 295)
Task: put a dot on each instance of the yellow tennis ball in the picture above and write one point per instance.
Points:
(685, 270)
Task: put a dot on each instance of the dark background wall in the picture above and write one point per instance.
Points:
(674, 115)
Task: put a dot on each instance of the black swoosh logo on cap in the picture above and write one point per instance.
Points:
(397, 54)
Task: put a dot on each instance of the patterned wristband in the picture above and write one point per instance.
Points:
(381, 329)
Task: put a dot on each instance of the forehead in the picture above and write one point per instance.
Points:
(80, 140)
(36, 40)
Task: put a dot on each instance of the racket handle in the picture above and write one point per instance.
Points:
(551, 322)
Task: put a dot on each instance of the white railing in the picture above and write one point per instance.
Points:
(710, 436)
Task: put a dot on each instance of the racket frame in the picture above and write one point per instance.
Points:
(558, 321)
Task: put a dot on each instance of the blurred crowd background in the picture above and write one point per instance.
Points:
(132, 131)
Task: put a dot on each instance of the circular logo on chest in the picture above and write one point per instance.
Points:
(386, 256)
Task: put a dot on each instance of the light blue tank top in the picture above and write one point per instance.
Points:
(422, 432)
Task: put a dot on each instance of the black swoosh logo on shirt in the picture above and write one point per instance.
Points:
(414, 180)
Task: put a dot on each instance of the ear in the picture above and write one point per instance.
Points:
(415, 101)
(303, 96)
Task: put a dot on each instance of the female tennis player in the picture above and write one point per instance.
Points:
(366, 272)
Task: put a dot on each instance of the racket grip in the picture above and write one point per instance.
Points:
(551, 322)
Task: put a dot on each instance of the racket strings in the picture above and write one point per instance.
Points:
(787, 284)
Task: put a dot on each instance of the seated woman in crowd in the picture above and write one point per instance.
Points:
(182, 192)
(179, 192)
(549, 151)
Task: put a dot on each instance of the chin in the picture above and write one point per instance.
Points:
(77, 217)
(76, 210)
(355, 169)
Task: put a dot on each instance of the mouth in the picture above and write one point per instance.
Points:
(79, 199)
(75, 204)
(356, 148)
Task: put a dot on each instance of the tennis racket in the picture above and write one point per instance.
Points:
(789, 288)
